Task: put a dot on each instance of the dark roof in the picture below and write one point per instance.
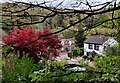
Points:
(97, 39)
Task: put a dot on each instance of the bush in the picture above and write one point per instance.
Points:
(110, 66)
(24, 70)
(102, 73)
(17, 70)
(77, 51)
(49, 69)
(113, 50)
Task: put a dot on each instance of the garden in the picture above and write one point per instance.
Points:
(34, 62)
(31, 43)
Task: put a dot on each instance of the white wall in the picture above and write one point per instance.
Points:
(109, 42)
(86, 49)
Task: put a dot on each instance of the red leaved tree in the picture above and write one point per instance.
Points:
(20, 40)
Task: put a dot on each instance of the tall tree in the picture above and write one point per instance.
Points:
(80, 38)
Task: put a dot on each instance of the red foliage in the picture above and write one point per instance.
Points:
(47, 45)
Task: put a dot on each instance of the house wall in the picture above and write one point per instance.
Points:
(109, 42)
(86, 49)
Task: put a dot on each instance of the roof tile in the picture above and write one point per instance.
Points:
(97, 39)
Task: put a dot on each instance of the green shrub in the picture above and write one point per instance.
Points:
(50, 69)
(77, 51)
(110, 66)
(113, 50)
(17, 70)
(102, 73)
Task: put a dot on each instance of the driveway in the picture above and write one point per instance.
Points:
(64, 57)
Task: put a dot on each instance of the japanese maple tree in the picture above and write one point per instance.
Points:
(27, 40)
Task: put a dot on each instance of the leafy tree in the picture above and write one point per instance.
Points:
(110, 65)
(117, 22)
(113, 50)
(106, 70)
(36, 47)
(103, 18)
(77, 51)
(103, 31)
(61, 21)
(68, 33)
(80, 38)
(17, 70)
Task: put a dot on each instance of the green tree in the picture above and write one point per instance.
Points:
(80, 38)
(118, 26)
(103, 31)
(17, 70)
(113, 50)
(68, 33)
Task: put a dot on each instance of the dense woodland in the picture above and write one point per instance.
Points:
(41, 27)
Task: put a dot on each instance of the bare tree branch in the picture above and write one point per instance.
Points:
(113, 15)
(53, 11)
(17, 11)
(58, 11)
(30, 23)
(56, 31)
(100, 23)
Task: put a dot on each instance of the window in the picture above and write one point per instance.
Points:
(96, 47)
(90, 46)
(104, 47)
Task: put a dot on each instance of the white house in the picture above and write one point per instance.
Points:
(97, 44)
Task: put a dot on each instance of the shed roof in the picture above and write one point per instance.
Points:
(97, 39)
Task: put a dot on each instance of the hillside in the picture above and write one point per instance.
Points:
(39, 18)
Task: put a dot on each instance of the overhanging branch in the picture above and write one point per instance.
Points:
(56, 31)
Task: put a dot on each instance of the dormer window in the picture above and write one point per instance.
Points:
(90, 46)
(96, 46)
